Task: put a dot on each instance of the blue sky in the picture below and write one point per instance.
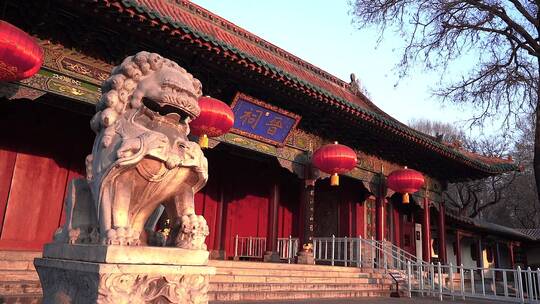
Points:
(321, 32)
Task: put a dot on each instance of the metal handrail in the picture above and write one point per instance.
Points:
(255, 247)
(249, 247)
(288, 248)
(429, 279)
(497, 284)
(360, 252)
(421, 278)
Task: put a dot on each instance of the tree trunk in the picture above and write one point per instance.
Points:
(536, 162)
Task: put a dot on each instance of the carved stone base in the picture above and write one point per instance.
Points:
(71, 279)
(126, 254)
(305, 257)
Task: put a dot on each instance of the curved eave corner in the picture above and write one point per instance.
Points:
(339, 103)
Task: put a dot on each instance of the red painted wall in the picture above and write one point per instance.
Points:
(41, 148)
(247, 204)
(351, 207)
(289, 205)
(246, 186)
(206, 204)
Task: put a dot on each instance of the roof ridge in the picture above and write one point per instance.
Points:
(253, 38)
(384, 120)
(243, 33)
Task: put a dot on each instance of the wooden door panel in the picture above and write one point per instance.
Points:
(326, 212)
(7, 164)
(408, 241)
(360, 222)
(206, 204)
(248, 202)
(35, 200)
(288, 211)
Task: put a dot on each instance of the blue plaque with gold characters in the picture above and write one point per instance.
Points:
(258, 120)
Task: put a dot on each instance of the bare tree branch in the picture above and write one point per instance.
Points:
(503, 35)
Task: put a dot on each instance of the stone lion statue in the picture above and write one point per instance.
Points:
(141, 158)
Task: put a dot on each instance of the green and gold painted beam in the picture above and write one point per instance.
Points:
(76, 76)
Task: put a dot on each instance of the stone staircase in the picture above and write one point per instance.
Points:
(245, 281)
(19, 281)
(234, 281)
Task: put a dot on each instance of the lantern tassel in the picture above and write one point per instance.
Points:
(334, 180)
(203, 141)
(405, 198)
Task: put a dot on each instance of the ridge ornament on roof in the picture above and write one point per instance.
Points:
(196, 25)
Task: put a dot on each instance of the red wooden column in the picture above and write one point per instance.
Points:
(308, 224)
(271, 254)
(426, 233)
(307, 207)
(442, 233)
(397, 226)
(511, 251)
(219, 251)
(458, 248)
(380, 218)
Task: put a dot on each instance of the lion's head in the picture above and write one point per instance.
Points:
(151, 80)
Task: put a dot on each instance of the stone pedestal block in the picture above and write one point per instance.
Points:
(145, 276)
(306, 257)
(126, 254)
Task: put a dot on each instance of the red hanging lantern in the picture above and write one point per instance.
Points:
(335, 159)
(20, 54)
(405, 181)
(216, 119)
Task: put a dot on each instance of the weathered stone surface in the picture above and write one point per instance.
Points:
(243, 281)
(66, 281)
(141, 159)
(126, 254)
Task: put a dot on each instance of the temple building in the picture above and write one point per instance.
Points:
(263, 187)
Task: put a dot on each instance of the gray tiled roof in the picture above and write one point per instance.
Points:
(524, 234)
(533, 233)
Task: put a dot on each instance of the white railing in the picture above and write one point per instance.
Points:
(360, 252)
(428, 279)
(287, 248)
(255, 247)
(249, 247)
(340, 251)
(509, 285)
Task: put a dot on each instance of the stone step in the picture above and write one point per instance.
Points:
(21, 299)
(20, 287)
(298, 286)
(295, 273)
(221, 278)
(18, 275)
(282, 266)
(19, 255)
(297, 294)
(240, 281)
(16, 265)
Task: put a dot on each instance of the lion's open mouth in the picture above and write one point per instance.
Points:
(164, 109)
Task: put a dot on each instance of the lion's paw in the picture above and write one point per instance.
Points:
(193, 232)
